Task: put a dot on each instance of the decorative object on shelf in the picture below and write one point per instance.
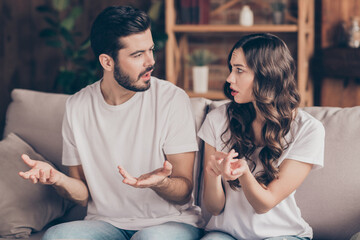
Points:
(354, 33)
(200, 59)
(278, 11)
(246, 16)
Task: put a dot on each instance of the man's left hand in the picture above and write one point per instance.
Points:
(152, 179)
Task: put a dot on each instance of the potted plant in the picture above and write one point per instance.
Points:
(278, 8)
(199, 60)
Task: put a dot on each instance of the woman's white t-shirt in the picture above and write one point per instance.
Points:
(238, 217)
(136, 135)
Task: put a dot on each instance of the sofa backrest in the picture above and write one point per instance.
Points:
(329, 198)
(36, 117)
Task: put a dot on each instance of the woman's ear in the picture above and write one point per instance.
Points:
(106, 62)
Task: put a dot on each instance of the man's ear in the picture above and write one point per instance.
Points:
(106, 62)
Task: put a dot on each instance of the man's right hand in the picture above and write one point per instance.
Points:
(40, 172)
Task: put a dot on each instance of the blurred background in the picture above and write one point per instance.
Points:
(44, 44)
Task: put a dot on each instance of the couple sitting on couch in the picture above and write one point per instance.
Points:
(132, 127)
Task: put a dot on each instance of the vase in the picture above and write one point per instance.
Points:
(278, 17)
(200, 78)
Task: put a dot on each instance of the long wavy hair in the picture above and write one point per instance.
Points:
(276, 97)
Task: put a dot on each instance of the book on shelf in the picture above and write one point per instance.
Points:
(204, 11)
(195, 11)
(186, 11)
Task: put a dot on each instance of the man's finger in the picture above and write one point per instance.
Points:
(167, 169)
(31, 163)
(128, 179)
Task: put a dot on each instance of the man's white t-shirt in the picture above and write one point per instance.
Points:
(238, 217)
(136, 135)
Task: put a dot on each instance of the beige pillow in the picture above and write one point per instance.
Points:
(24, 206)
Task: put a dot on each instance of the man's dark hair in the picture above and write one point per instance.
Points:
(113, 23)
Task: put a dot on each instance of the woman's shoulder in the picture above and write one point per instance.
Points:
(305, 122)
(218, 111)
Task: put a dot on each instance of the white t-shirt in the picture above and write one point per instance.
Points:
(136, 135)
(239, 218)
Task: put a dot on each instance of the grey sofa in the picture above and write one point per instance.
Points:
(329, 198)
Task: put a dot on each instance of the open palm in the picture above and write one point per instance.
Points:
(40, 171)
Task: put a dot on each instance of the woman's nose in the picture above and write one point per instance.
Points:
(230, 78)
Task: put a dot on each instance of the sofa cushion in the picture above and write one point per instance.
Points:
(199, 108)
(36, 117)
(329, 198)
(24, 206)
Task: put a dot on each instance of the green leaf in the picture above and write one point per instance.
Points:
(155, 10)
(68, 23)
(201, 57)
(51, 22)
(60, 5)
(82, 53)
(47, 33)
(76, 12)
(67, 36)
(85, 45)
(54, 43)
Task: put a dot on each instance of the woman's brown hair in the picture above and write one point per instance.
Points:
(276, 98)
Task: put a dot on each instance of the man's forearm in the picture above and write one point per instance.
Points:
(73, 189)
(176, 190)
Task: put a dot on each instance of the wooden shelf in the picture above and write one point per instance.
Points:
(177, 45)
(190, 28)
(213, 95)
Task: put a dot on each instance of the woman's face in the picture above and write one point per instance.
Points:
(241, 78)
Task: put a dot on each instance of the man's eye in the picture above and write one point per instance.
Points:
(137, 55)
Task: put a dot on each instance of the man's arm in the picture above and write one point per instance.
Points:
(173, 182)
(72, 187)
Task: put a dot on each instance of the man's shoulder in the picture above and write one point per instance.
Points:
(166, 89)
(84, 95)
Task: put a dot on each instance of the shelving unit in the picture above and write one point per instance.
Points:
(176, 48)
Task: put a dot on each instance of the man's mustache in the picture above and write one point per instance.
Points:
(146, 70)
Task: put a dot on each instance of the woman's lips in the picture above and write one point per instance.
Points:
(233, 92)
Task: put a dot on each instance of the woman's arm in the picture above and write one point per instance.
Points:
(291, 174)
(214, 195)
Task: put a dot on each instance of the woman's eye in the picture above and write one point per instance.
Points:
(137, 55)
(239, 70)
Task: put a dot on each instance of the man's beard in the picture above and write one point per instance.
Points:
(126, 82)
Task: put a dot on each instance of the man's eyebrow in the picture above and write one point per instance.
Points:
(136, 52)
(141, 51)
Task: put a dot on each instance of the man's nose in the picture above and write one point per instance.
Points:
(149, 60)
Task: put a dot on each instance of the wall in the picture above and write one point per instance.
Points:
(335, 91)
(25, 60)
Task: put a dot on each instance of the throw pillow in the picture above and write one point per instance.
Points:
(24, 206)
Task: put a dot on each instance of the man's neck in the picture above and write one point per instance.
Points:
(113, 93)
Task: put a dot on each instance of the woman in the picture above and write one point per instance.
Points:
(260, 147)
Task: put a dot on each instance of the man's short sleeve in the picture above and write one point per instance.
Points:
(70, 155)
(180, 135)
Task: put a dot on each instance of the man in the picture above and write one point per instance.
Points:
(125, 125)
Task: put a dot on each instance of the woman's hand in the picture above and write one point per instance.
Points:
(226, 165)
